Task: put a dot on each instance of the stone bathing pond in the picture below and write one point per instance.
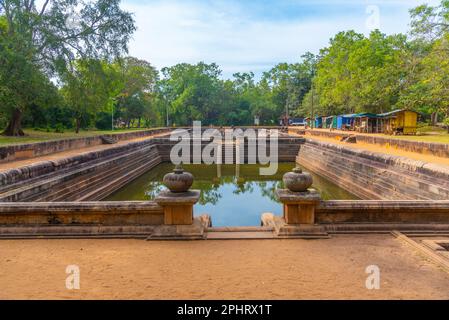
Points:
(232, 195)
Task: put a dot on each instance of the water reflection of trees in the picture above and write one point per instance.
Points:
(153, 188)
(209, 192)
(207, 181)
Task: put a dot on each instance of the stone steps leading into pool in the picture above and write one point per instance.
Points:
(374, 176)
(74, 183)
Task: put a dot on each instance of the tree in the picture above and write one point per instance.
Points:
(87, 89)
(193, 92)
(430, 23)
(428, 92)
(359, 74)
(50, 37)
(289, 83)
(136, 87)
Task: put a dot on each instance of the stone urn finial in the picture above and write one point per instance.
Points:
(297, 180)
(179, 180)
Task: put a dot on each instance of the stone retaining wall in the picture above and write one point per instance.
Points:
(371, 175)
(30, 150)
(96, 174)
(89, 176)
(360, 212)
(288, 149)
(436, 149)
(146, 219)
(82, 213)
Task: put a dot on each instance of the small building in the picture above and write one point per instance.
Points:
(319, 122)
(400, 121)
(367, 123)
(345, 122)
(328, 122)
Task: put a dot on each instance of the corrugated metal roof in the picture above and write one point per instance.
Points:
(394, 112)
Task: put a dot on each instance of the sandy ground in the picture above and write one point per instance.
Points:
(387, 150)
(271, 269)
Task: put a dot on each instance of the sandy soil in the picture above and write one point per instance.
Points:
(387, 150)
(271, 269)
(64, 154)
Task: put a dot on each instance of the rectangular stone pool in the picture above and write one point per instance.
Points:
(232, 195)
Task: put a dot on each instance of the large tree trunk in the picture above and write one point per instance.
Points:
(434, 118)
(14, 128)
(77, 125)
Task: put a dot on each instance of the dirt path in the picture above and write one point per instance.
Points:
(384, 149)
(68, 153)
(271, 269)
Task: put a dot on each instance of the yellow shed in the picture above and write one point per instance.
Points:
(399, 122)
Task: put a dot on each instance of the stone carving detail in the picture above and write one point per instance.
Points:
(178, 181)
(297, 180)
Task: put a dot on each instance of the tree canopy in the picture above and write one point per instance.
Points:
(45, 41)
(64, 64)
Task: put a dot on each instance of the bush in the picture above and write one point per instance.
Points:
(59, 128)
(103, 121)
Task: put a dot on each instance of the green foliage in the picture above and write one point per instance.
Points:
(79, 45)
(86, 89)
(359, 74)
(42, 41)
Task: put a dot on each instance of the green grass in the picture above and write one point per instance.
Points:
(426, 134)
(442, 138)
(40, 136)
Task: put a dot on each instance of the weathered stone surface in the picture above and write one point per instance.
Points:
(24, 151)
(81, 213)
(168, 198)
(407, 212)
(194, 231)
(287, 196)
(371, 175)
(284, 230)
(299, 207)
(179, 180)
(297, 180)
(178, 207)
(96, 174)
(436, 149)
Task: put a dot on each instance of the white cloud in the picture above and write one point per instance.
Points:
(223, 32)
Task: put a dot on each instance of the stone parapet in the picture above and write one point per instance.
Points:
(125, 213)
(436, 149)
(405, 212)
(372, 175)
(30, 150)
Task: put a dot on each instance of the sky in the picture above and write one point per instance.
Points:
(253, 35)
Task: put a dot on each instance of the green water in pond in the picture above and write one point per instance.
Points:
(233, 196)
